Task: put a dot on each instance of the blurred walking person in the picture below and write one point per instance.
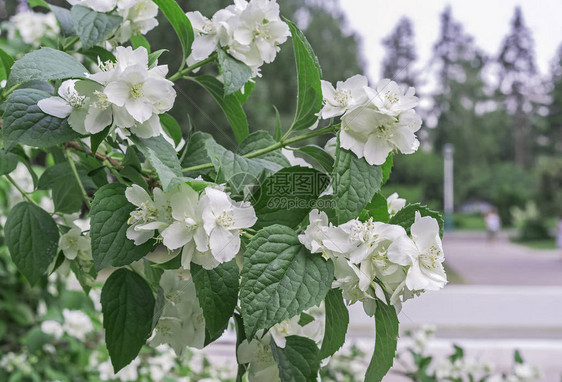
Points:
(492, 224)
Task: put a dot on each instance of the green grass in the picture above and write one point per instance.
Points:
(473, 222)
(536, 244)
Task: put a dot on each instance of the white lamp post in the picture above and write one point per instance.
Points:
(448, 189)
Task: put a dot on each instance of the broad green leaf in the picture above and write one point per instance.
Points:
(298, 360)
(386, 168)
(245, 93)
(407, 215)
(280, 278)
(176, 16)
(230, 104)
(240, 172)
(386, 323)
(217, 291)
(355, 184)
(162, 157)
(287, 196)
(8, 162)
(320, 155)
(84, 276)
(278, 130)
(171, 127)
(127, 306)
(309, 74)
(65, 20)
(60, 172)
(109, 215)
(6, 62)
(234, 73)
(376, 209)
(153, 57)
(97, 139)
(96, 52)
(337, 320)
(201, 148)
(32, 238)
(45, 64)
(38, 3)
(259, 140)
(26, 124)
(93, 27)
(139, 40)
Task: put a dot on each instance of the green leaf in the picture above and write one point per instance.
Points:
(139, 40)
(376, 209)
(217, 291)
(96, 52)
(320, 155)
(287, 196)
(171, 127)
(234, 73)
(337, 321)
(161, 156)
(240, 337)
(298, 360)
(64, 18)
(8, 162)
(97, 139)
(154, 56)
(230, 104)
(278, 130)
(201, 148)
(109, 215)
(38, 3)
(261, 139)
(517, 357)
(93, 27)
(280, 278)
(245, 93)
(407, 216)
(386, 168)
(32, 238)
(309, 74)
(386, 322)
(127, 306)
(6, 62)
(45, 64)
(355, 184)
(25, 123)
(176, 16)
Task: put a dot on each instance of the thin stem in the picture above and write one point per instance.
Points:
(113, 172)
(78, 180)
(191, 68)
(70, 42)
(21, 190)
(247, 235)
(273, 147)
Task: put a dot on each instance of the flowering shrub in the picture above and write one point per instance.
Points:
(187, 235)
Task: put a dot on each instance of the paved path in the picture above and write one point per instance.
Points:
(480, 262)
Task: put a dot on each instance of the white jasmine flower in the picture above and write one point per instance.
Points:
(96, 5)
(354, 284)
(72, 243)
(373, 135)
(257, 33)
(524, 372)
(395, 204)
(376, 260)
(423, 253)
(390, 99)
(209, 33)
(76, 323)
(149, 216)
(316, 231)
(32, 26)
(331, 146)
(347, 95)
(52, 328)
(223, 219)
(69, 103)
(139, 17)
(259, 355)
(128, 373)
(290, 327)
(293, 160)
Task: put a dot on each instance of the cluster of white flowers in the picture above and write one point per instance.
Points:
(32, 26)
(76, 324)
(376, 121)
(258, 354)
(522, 372)
(126, 94)
(250, 31)
(361, 251)
(181, 323)
(206, 227)
(139, 16)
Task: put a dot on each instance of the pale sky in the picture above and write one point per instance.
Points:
(488, 21)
